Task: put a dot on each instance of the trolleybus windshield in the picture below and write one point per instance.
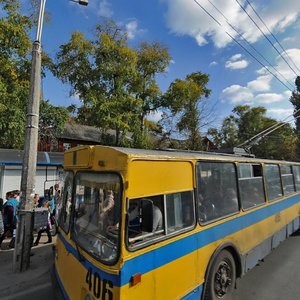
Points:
(97, 214)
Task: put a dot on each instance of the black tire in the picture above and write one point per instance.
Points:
(220, 281)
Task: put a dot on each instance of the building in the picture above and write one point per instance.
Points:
(48, 172)
(76, 135)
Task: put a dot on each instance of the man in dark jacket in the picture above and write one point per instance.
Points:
(10, 215)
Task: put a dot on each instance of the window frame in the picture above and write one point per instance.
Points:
(165, 235)
(71, 229)
(66, 231)
(293, 179)
(295, 182)
(234, 163)
(249, 178)
(280, 181)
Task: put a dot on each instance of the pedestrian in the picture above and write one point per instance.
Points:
(36, 199)
(46, 228)
(10, 208)
(1, 217)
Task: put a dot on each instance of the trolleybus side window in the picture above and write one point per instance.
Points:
(156, 217)
(217, 190)
(65, 214)
(251, 185)
(97, 214)
(272, 180)
(296, 171)
(287, 179)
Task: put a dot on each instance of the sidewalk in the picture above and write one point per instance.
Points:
(15, 285)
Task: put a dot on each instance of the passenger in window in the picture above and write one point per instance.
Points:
(206, 209)
(230, 201)
(109, 202)
(157, 219)
(188, 216)
(134, 225)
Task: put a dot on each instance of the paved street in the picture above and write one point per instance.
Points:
(277, 278)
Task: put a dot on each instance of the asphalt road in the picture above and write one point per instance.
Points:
(277, 278)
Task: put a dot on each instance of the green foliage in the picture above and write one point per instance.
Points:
(295, 100)
(245, 123)
(15, 63)
(14, 74)
(115, 82)
(183, 98)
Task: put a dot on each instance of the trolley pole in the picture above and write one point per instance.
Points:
(21, 258)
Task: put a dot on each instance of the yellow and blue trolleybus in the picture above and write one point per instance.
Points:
(141, 224)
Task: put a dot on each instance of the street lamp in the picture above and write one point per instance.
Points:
(21, 259)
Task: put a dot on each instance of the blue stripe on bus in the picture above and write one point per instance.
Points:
(166, 254)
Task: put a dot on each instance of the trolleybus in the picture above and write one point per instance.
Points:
(145, 224)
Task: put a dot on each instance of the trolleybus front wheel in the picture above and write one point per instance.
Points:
(221, 278)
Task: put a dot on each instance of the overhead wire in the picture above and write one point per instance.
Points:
(245, 49)
(273, 35)
(250, 45)
(267, 131)
(266, 37)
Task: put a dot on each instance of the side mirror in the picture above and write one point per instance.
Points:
(147, 215)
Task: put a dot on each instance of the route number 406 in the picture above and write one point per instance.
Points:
(100, 288)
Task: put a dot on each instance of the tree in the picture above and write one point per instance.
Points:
(14, 73)
(117, 84)
(15, 63)
(152, 59)
(245, 123)
(295, 100)
(183, 98)
(51, 122)
(101, 72)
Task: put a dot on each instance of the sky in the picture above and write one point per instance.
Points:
(215, 37)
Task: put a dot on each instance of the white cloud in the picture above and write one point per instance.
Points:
(236, 57)
(187, 18)
(237, 94)
(234, 65)
(280, 113)
(282, 66)
(213, 63)
(104, 9)
(260, 84)
(236, 62)
(268, 98)
(132, 29)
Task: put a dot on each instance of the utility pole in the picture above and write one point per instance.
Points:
(21, 259)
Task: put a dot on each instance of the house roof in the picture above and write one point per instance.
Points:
(83, 133)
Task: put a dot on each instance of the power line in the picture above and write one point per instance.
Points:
(245, 49)
(249, 44)
(272, 35)
(266, 37)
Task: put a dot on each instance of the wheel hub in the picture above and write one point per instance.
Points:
(222, 279)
